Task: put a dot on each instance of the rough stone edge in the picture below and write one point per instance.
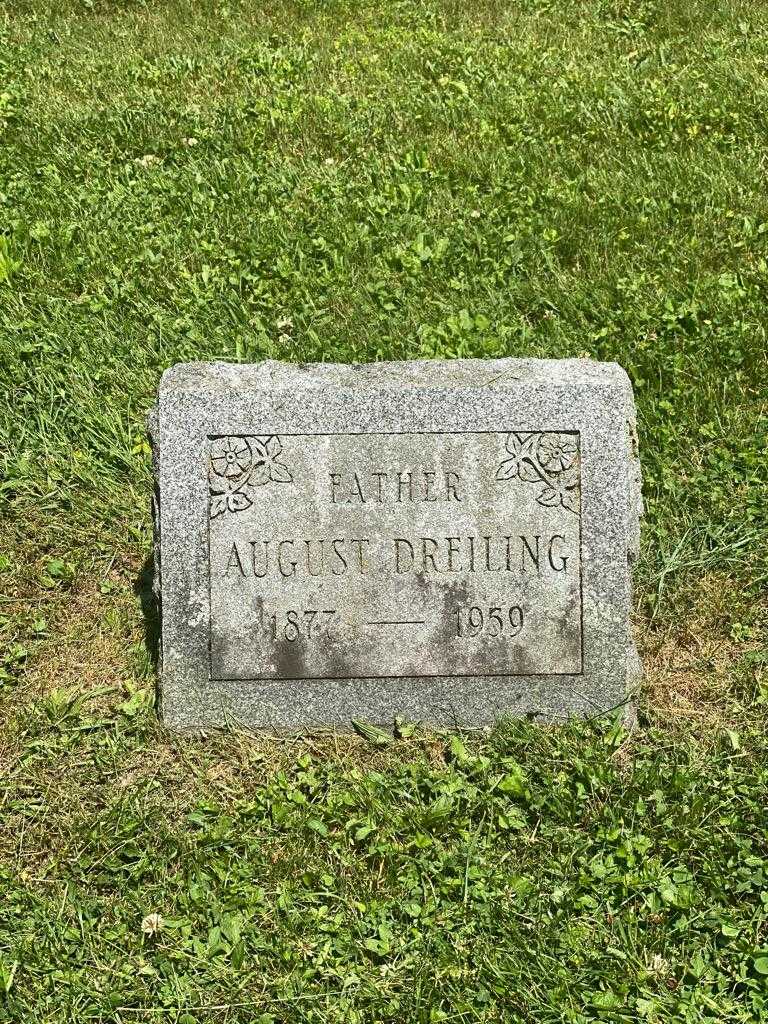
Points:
(636, 510)
(203, 377)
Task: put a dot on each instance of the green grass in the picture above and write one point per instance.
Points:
(352, 181)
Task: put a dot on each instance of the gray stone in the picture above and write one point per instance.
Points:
(445, 541)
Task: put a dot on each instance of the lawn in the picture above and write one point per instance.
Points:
(343, 180)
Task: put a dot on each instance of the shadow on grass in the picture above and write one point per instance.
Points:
(150, 608)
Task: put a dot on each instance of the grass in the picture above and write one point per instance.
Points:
(354, 181)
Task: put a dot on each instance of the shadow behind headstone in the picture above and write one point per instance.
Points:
(142, 588)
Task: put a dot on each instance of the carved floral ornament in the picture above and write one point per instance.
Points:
(238, 465)
(550, 460)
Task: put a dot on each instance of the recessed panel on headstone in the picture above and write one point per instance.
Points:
(409, 554)
(443, 541)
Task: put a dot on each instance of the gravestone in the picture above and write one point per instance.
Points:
(444, 541)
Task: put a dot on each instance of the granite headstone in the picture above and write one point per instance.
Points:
(444, 541)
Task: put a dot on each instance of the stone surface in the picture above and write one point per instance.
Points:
(446, 541)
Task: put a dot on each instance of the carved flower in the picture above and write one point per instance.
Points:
(265, 465)
(228, 495)
(557, 452)
(562, 489)
(549, 460)
(237, 466)
(231, 456)
(522, 464)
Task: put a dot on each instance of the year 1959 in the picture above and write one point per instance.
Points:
(495, 621)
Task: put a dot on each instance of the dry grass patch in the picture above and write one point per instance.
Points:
(691, 664)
